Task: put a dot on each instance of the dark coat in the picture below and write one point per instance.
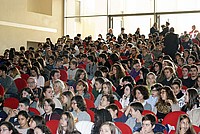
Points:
(171, 43)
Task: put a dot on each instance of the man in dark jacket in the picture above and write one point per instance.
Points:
(171, 43)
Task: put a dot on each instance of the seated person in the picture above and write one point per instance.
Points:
(106, 100)
(176, 88)
(49, 107)
(135, 121)
(23, 106)
(148, 124)
(114, 111)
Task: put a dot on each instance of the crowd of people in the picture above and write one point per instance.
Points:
(126, 74)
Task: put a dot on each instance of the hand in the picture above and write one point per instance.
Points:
(13, 112)
(169, 101)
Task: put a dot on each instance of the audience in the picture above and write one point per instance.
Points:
(131, 69)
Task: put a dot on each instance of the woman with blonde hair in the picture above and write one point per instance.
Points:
(58, 87)
(150, 80)
(66, 124)
(66, 100)
(109, 128)
(184, 125)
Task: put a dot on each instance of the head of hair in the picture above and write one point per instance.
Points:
(60, 84)
(10, 127)
(29, 91)
(104, 69)
(120, 71)
(80, 102)
(177, 82)
(51, 103)
(103, 56)
(100, 80)
(170, 94)
(170, 69)
(70, 123)
(129, 79)
(25, 101)
(69, 95)
(193, 98)
(44, 129)
(143, 90)
(114, 57)
(36, 69)
(187, 67)
(150, 73)
(98, 73)
(38, 119)
(78, 74)
(100, 117)
(194, 66)
(109, 85)
(91, 58)
(84, 84)
(156, 86)
(52, 73)
(178, 126)
(14, 71)
(137, 106)
(109, 97)
(24, 114)
(73, 62)
(151, 118)
(113, 128)
(4, 68)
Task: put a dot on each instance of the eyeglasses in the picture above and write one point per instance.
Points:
(3, 130)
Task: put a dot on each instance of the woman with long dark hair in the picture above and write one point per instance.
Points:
(191, 100)
(100, 117)
(79, 109)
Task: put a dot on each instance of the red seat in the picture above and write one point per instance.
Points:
(184, 88)
(20, 83)
(91, 96)
(113, 88)
(53, 125)
(89, 88)
(34, 110)
(150, 112)
(123, 127)
(120, 113)
(89, 103)
(172, 118)
(124, 57)
(2, 91)
(197, 129)
(11, 103)
(118, 104)
(83, 66)
(91, 113)
(25, 76)
(63, 75)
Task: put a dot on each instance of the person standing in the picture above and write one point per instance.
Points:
(171, 43)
